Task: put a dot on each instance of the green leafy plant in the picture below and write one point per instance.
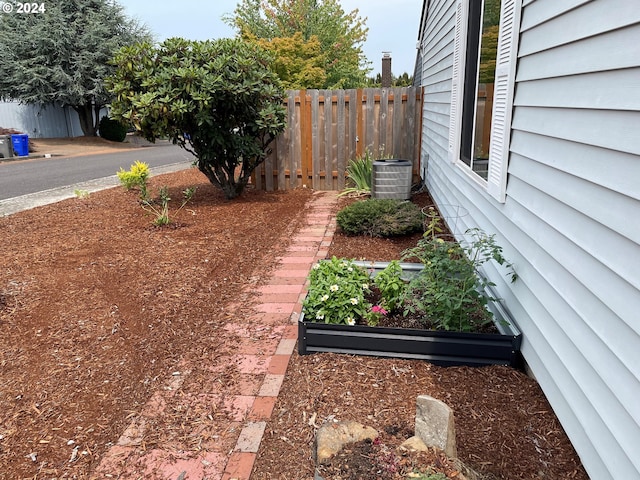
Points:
(160, 208)
(135, 177)
(391, 285)
(426, 476)
(359, 175)
(218, 99)
(336, 293)
(448, 292)
(81, 193)
(380, 218)
(113, 130)
(433, 225)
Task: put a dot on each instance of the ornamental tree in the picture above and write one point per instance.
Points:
(341, 35)
(219, 100)
(299, 63)
(61, 55)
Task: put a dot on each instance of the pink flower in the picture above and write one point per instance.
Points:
(378, 309)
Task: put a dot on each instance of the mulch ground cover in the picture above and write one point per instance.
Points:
(98, 307)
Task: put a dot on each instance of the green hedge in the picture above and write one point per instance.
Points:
(380, 218)
(112, 130)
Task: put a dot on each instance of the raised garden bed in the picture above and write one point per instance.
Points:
(445, 348)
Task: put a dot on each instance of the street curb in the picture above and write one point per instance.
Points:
(13, 205)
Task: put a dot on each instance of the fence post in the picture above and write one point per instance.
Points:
(305, 135)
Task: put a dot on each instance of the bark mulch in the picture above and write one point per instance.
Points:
(98, 307)
(505, 428)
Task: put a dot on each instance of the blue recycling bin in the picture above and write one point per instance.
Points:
(20, 145)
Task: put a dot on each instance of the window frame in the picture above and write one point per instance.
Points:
(506, 60)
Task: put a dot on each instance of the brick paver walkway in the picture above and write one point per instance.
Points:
(262, 367)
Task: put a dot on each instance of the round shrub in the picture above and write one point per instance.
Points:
(112, 130)
(380, 218)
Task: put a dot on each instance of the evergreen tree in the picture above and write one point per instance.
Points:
(62, 55)
(404, 80)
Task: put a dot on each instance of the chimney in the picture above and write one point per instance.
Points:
(386, 69)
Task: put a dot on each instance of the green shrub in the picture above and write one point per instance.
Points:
(448, 293)
(217, 99)
(136, 177)
(112, 130)
(380, 218)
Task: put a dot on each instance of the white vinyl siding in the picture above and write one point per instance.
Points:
(570, 217)
(437, 59)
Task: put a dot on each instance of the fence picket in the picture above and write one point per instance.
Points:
(326, 129)
(341, 140)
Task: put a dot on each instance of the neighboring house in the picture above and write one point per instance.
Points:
(553, 169)
(41, 121)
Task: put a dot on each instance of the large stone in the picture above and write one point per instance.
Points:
(435, 424)
(331, 437)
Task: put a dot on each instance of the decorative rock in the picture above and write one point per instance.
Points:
(435, 424)
(414, 444)
(331, 437)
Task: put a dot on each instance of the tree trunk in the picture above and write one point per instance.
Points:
(87, 123)
(96, 118)
(224, 180)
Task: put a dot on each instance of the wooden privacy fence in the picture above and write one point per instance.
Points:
(327, 128)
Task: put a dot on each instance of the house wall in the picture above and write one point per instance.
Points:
(38, 121)
(570, 222)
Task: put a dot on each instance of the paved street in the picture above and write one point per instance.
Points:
(34, 175)
(29, 183)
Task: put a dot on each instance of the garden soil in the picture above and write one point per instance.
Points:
(98, 307)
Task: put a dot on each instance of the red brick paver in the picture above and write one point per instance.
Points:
(264, 347)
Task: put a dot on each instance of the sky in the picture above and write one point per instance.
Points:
(393, 24)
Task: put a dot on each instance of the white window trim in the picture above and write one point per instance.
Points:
(457, 77)
(506, 60)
